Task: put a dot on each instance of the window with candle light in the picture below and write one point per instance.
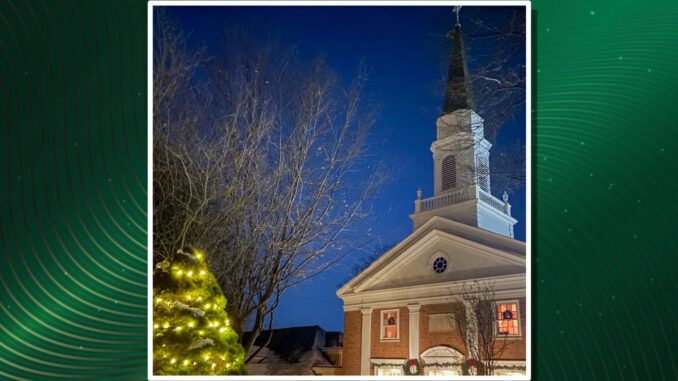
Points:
(508, 321)
(389, 325)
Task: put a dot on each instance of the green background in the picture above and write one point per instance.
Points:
(73, 195)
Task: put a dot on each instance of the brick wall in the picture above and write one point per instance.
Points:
(352, 337)
(390, 349)
(428, 339)
(514, 350)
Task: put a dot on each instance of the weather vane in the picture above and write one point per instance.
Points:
(456, 10)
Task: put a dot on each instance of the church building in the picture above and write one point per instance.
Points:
(400, 307)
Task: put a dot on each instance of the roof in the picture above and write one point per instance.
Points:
(491, 243)
(293, 350)
(458, 91)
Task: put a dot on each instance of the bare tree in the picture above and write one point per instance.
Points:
(499, 84)
(365, 261)
(475, 317)
(260, 160)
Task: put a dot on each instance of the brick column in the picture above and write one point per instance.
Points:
(414, 330)
(365, 341)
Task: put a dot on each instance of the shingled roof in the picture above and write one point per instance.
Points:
(294, 350)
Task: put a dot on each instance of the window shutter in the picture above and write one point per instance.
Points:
(449, 172)
(483, 172)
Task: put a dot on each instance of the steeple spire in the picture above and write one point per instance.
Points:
(458, 92)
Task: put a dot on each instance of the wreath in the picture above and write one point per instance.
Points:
(411, 367)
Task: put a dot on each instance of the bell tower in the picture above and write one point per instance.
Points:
(461, 157)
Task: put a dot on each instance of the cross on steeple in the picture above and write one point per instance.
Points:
(456, 11)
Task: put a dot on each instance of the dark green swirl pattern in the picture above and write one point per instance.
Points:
(73, 227)
(73, 193)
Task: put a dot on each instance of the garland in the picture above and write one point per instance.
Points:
(465, 364)
(451, 364)
(443, 364)
(510, 367)
(384, 365)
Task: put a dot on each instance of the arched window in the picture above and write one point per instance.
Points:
(449, 172)
(483, 172)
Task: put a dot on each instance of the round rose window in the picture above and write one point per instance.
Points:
(440, 265)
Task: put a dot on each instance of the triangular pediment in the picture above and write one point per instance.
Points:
(468, 252)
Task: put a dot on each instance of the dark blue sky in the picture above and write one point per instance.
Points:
(406, 52)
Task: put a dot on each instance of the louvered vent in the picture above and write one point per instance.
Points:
(483, 172)
(449, 172)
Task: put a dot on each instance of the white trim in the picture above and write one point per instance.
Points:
(432, 293)
(448, 355)
(414, 330)
(432, 300)
(517, 247)
(520, 328)
(494, 211)
(381, 325)
(451, 352)
(427, 241)
(365, 340)
(394, 362)
(437, 255)
(528, 145)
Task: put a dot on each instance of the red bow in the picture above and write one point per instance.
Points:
(471, 362)
(412, 363)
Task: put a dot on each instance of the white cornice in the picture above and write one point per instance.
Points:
(507, 286)
(506, 294)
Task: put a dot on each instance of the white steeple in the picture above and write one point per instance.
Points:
(461, 157)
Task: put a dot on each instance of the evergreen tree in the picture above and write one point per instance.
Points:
(191, 331)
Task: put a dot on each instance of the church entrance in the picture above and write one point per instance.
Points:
(442, 361)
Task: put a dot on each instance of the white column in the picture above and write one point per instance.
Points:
(365, 342)
(414, 330)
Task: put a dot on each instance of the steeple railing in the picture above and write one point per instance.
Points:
(494, 202)
(445, 199)
(462, 195)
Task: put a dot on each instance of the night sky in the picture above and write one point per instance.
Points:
(406, 52)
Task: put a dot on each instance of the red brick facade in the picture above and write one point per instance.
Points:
(429, 339)
(515, 347)
(352, 337)
(390, 349)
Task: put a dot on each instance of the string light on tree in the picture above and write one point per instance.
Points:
(187, 338)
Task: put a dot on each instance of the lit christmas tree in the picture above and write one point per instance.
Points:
(191, 331)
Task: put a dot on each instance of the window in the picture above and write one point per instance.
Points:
(440, 265)
(442, 372)
(507, 319)
(483, 172)
(389, 325)
(449, 172)
(389, 372)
